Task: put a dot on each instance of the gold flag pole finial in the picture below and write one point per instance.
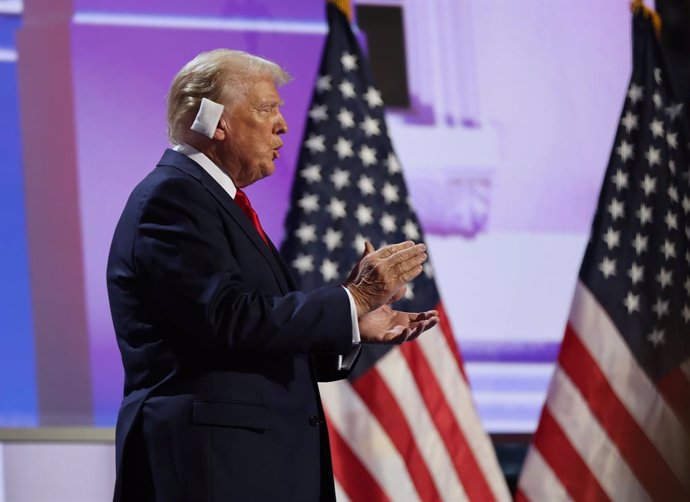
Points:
(343, 6)
(638, 6)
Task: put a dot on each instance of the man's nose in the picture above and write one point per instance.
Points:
(281, 125)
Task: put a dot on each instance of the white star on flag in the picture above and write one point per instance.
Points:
(359, 242)
(349, 61)
(392, 164)
(686, 203)
(635, 93)
(340, 178)
(636, 273)
(671, 220)
(411, 230)
(664, 277)
(625, 150)
(640, 243)
(657, 127)
(653, 156)
(312, 173)
(367, 155)
(306, 233)
(668, 249)
(656, 337)
(345, 117)
(309, 203)
(373, 97)
(370, 126)
(674, 110)
(318, 113)
(387, 222)
(648, 185)
(390, 193)
(366, 185)
(364, 215)
(629, 121)
(347, 89)
(323, 84)
(329, 270)
(660, 308)
(686, 313)
(632, 302)
(644, 214)
(315, 143)
(332, 239)
(616, 209)
(303, 263)
(608, 267)
(337, 208)
(620, 179)
(344, 148)
(612, 238)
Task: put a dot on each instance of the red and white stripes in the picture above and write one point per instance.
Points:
(407, 430)
(607, 432)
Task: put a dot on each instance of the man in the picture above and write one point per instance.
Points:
(221, 353)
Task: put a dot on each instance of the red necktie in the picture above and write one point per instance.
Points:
(246, 207)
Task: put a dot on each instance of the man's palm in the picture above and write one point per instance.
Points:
(385, 325)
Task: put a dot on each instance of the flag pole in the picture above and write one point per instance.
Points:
(343, 6)
(638, 6)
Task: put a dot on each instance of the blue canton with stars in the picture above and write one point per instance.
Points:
(637, 262)
(349, 186)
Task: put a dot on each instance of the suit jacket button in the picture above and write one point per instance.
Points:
(314, 420)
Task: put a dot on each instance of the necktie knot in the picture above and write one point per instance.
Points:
(243, 202)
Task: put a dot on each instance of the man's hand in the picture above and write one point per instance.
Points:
(380, 275)
(385, 325)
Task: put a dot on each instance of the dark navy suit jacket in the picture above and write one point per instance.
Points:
(221, 354)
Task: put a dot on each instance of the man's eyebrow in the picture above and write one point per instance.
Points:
(272, 102)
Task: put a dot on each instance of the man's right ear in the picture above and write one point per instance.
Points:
(221, 130)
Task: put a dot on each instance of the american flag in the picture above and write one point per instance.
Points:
(616, 423)
(404, 426)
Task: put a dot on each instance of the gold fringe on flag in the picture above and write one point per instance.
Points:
(638, 6)
(343, 6)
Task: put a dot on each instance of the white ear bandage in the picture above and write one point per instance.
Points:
(208, 117)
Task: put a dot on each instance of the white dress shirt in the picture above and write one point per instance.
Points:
(344, 361)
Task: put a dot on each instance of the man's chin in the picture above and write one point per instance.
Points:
(268, 170)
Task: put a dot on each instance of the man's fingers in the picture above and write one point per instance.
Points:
(399, 336)
(392, 249)
(423, 316)
(368, 248)
(411, 274)
(406, 253)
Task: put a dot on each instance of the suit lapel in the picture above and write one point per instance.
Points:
(184, 163)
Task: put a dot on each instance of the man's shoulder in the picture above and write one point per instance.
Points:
(175, 179)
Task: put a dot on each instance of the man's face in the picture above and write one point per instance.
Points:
(253, 128)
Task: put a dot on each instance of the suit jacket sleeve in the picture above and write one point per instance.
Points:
(182, 252)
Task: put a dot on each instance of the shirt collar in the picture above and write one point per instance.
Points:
(209, 166)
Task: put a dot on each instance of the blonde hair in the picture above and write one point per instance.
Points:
(221, 75)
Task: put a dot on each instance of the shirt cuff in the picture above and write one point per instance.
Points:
(345, 362)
